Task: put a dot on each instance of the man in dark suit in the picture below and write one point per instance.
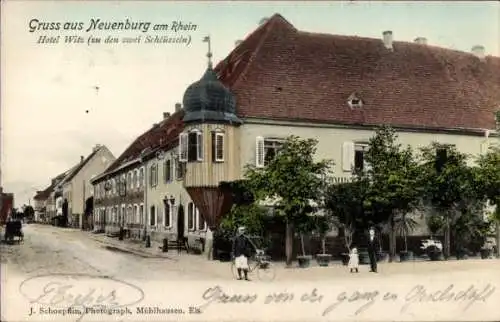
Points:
(372, 249)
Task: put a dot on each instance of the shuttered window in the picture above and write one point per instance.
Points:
(217, 146)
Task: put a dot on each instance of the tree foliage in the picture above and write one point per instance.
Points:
(292, 180)
(394, 177)
(345, 204)
(450, 186)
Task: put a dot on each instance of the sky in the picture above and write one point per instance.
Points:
(46, 89)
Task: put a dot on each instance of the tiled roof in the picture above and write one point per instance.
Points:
(44, 194)
(293, 75)
(164, 134)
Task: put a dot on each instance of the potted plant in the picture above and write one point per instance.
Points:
(304, 227)
(323, 226)
(404, 225)
(304, 260)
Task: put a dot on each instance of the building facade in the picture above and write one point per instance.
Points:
(76, 187)
(281, 81)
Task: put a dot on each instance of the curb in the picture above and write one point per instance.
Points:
(122, 248)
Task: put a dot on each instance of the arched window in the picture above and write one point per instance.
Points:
(135, 183)
(168, 215)
(141, 177)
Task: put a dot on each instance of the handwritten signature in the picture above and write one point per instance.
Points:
(80, 291)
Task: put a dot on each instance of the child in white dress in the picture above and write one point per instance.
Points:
(353, 260)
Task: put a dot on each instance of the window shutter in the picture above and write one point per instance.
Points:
(199, 146)
(219, 147)
(347, 156)
(214, 149)
(183, 147)
(259, 152)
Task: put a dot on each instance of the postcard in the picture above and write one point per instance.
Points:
(250, 161)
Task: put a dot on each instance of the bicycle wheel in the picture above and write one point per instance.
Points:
(266, 273)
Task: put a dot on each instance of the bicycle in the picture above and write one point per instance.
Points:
(261, 263)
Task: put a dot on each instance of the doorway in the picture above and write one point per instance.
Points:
(180, 223)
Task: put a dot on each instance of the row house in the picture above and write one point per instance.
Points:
(119, 197)
(281, 81)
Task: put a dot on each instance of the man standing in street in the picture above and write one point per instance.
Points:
(372, 250)
(241, 252)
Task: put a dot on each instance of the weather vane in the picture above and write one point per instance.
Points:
(209, 53)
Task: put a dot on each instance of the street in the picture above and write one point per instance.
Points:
(48, 249)
(56, 272)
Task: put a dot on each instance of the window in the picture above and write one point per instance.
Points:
(355, 101)
(167, 170)
(152, 216)
(129, 180)
(123, 185)
(168, 215)
(191, 216)
(180, 168)
(266, 150)
(130, 214)
(217, 146)
(191, 146)
(141, 177)
(141, 214)
(153, 175)
(123, 215)
(137, 218)
(135, 182)
(202, 224)
(359, 156)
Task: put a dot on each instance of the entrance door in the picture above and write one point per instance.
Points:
(180, 223)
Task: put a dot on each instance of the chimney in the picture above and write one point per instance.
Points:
(178, 107)
(96, 147)
(237, 42)
(387, 38)
(421, 40)
(478, 51)
(82, 158)
(166, 115)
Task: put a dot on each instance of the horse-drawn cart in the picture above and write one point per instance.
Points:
(14, 229)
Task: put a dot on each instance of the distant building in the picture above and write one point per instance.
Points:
(75, 189)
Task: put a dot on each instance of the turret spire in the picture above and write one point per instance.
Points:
(209, 53)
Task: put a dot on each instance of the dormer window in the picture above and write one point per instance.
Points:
(355, 101)
(191, 146)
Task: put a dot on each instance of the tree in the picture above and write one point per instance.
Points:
(449, 184)
(488, 176)
(393, 173)
(345, 204)
(29, 212)
(292, 179)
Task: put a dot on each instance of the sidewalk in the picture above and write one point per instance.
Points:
(130, 246)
